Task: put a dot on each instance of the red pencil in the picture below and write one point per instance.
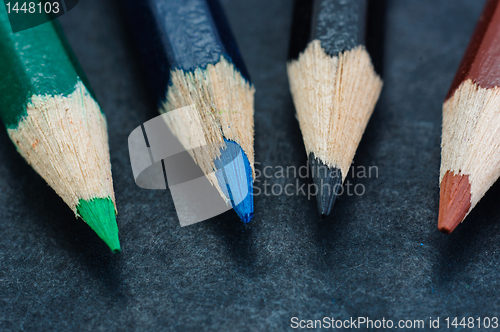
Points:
(470, 148)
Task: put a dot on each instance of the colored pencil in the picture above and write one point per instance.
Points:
(334, 87)
(191, 58)
(470, 148)
(53, 119)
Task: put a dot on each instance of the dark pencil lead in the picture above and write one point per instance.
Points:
(328, 181)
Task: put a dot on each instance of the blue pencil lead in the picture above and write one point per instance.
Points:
(235, 178)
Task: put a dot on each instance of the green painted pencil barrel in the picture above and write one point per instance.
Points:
(53, 118)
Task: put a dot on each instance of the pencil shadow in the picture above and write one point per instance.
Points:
(141, 83)
(375, 33)
(328, 232)
(295, 143)
(454, 254)
(375, 43)
(470, 240)
(59, 225)
(292, 130)
(238, 239)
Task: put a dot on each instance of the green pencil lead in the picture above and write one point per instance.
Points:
(100, 215)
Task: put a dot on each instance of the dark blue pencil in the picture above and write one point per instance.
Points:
(191, 58)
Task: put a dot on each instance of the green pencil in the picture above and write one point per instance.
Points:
(54, 120)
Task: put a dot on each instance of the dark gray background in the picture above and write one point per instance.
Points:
(379, 255)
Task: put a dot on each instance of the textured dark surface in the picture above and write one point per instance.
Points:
(378, 255)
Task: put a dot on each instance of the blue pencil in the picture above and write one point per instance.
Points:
(191, 59)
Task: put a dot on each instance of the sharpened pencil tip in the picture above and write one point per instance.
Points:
(235, 178)
(245, 217)
(100, 215)
(245, 208)
(328, 181)
(454, 201)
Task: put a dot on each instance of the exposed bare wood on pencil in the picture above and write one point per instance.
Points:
(471, 137)
(470, 145)
(224, 101)
(64, 138)
(334, 97)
